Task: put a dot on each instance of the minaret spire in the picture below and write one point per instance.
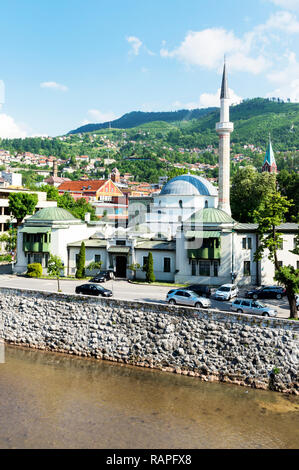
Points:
(224, 129)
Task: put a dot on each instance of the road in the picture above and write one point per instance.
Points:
(124, 290)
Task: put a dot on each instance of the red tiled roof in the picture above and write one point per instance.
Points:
(95, 185)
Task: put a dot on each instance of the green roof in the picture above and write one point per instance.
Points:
(35, 230)
(202, 234)
(52, 214)
(211, 215)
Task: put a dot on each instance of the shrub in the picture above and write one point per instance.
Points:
(80, 273)
(150, 277)
(34, 270)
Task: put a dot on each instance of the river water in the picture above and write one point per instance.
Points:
(49, 400)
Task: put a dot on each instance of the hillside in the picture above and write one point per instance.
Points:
(136, 118)
(253, 119)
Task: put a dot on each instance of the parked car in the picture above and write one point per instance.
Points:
(93, 289)
(254, 307)
(188, 298)
(102, 276)
(199, 289)
(226, 292)
(266, 292)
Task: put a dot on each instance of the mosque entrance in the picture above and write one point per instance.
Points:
(121, 266)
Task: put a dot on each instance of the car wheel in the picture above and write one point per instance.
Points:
(239, 310)
(265, 314)
(198, 305)
(278, 296)
(172, 302)
(255, 296)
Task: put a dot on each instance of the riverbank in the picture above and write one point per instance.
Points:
(210, 345)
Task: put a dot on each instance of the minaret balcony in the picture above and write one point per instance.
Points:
(224, 127)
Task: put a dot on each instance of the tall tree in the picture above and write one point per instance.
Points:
(80, 273)
(150, 276)
(20, 205)
(248, 190)
(272, 213)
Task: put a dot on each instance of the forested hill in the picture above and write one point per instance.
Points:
(253, 120)
(136, 118)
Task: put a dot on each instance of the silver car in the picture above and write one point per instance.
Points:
(187, 298)
(253, 307)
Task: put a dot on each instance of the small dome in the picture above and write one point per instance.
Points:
(53, 214)
(211, 216)
(189, 185)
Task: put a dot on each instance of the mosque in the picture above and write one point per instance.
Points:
(187, 227)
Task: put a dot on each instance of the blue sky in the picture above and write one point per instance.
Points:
(69, 62)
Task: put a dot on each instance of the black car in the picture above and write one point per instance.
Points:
(102, 276)
(266, 292)
(92, 289)
(199, 289)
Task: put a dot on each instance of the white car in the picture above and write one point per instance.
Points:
(226, 292)
(188, 298)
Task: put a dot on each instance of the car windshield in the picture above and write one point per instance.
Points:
(224, 289)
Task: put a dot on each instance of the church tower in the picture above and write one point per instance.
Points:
(224, 128)
(269, 162)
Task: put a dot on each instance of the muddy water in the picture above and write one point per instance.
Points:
(55, 401)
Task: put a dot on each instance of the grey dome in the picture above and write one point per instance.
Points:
(189, 185)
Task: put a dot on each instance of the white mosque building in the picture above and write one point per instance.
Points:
(187, 227)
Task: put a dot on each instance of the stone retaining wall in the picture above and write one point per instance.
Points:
(212, 345)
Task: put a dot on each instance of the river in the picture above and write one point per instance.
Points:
(49, 400)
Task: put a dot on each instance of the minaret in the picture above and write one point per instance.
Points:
(224, 129)
(269, 162)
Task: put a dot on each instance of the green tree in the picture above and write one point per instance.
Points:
(22, 204)
(150, 276)
(80, 272)
(248, 190)
(94, 265)
(271, 213)
(55, 266)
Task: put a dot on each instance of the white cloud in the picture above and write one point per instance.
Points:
(288, 4)
(54, 86)
(9, 129)
(207, 48)
(135, 43)
(281, 21)
(100, 117)
(286, 80)
(207, 100)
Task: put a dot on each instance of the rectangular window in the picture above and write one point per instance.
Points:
(145, 258)
(244, 243)
(97, 258)
(204, 268)
(167, 265)
(249, 241)
(121, 242)
(246, 268)
(77, 259)
(193, 267)
(280, 245)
